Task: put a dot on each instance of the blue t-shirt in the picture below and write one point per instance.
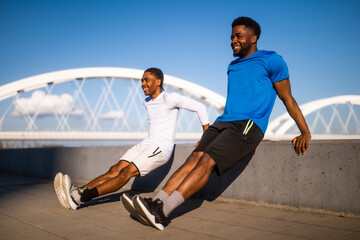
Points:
(251, 94)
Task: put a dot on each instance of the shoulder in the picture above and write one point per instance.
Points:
(268, 54)
(272, 56)
(175, 99)
(273, 59)
(171, 96)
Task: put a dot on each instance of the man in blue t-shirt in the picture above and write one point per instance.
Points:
(254, 80)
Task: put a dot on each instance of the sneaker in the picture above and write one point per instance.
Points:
(129, 206)
(75, 193)
(68, 188)
(152, 211)
(59, 190)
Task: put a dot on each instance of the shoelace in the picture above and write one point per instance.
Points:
(151, 204)
(158, 205)
(154, 205)
(74, 186)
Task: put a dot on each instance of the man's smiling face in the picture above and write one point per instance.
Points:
(149, 83)
(242, 41)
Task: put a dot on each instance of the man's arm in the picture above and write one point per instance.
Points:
(180, 101)
(284, 92)
(189, 104)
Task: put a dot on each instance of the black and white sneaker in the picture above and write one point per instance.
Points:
(152, 211)
(68, 189)
(129, 206)
(75, 193)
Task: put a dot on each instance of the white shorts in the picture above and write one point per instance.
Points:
(145, 157)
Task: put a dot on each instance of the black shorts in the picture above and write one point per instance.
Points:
(229, 142)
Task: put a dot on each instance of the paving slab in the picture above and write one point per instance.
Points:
(29, 209)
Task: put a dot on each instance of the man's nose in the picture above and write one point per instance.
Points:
(234, 40)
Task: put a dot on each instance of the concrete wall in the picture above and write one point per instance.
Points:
(327, 177)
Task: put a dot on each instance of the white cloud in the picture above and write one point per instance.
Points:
(42, 104)
(112, 114)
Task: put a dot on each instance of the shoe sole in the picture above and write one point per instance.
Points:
(66, 184)
(59, 190)
(128, 204)
(144, 212)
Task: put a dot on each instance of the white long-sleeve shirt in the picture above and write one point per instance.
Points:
(162, 116)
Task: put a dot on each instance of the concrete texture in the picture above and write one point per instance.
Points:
(327, 177)
(29, 209)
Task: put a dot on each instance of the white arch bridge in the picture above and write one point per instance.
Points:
(106, 104)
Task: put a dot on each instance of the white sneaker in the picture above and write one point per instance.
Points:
(59, 190)
(66, 183)
(129, 206)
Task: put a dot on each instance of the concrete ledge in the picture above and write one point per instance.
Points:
(327, 177)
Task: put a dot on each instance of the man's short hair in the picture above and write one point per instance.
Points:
(158, 74)
(249, 23)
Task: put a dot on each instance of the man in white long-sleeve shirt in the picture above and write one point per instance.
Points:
(154, 151)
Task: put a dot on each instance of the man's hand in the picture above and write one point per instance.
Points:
(301, 143)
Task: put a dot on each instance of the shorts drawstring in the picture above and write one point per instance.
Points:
(248, 126)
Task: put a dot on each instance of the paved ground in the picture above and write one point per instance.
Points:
(29, 209)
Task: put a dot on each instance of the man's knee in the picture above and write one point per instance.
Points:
(206, 162)
(197, 154)
(129, 171)
(192, 160)
(115, 169)
(194, 157)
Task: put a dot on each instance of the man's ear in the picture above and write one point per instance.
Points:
(158, 82)
(253, 39)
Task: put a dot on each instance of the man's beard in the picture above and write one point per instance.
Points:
(245, 49)
(243, 52)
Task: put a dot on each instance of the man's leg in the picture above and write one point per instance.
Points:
(191, 183)
(111, 173)
(117, 182)
(177, 178)
(113, 182)
(179, 175)
(75, 195)
(198, 177)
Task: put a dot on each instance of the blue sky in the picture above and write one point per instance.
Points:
(318, 39)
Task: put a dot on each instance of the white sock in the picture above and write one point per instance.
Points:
(162, 195)
(172, 202)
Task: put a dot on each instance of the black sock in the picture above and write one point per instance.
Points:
(89, 194)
